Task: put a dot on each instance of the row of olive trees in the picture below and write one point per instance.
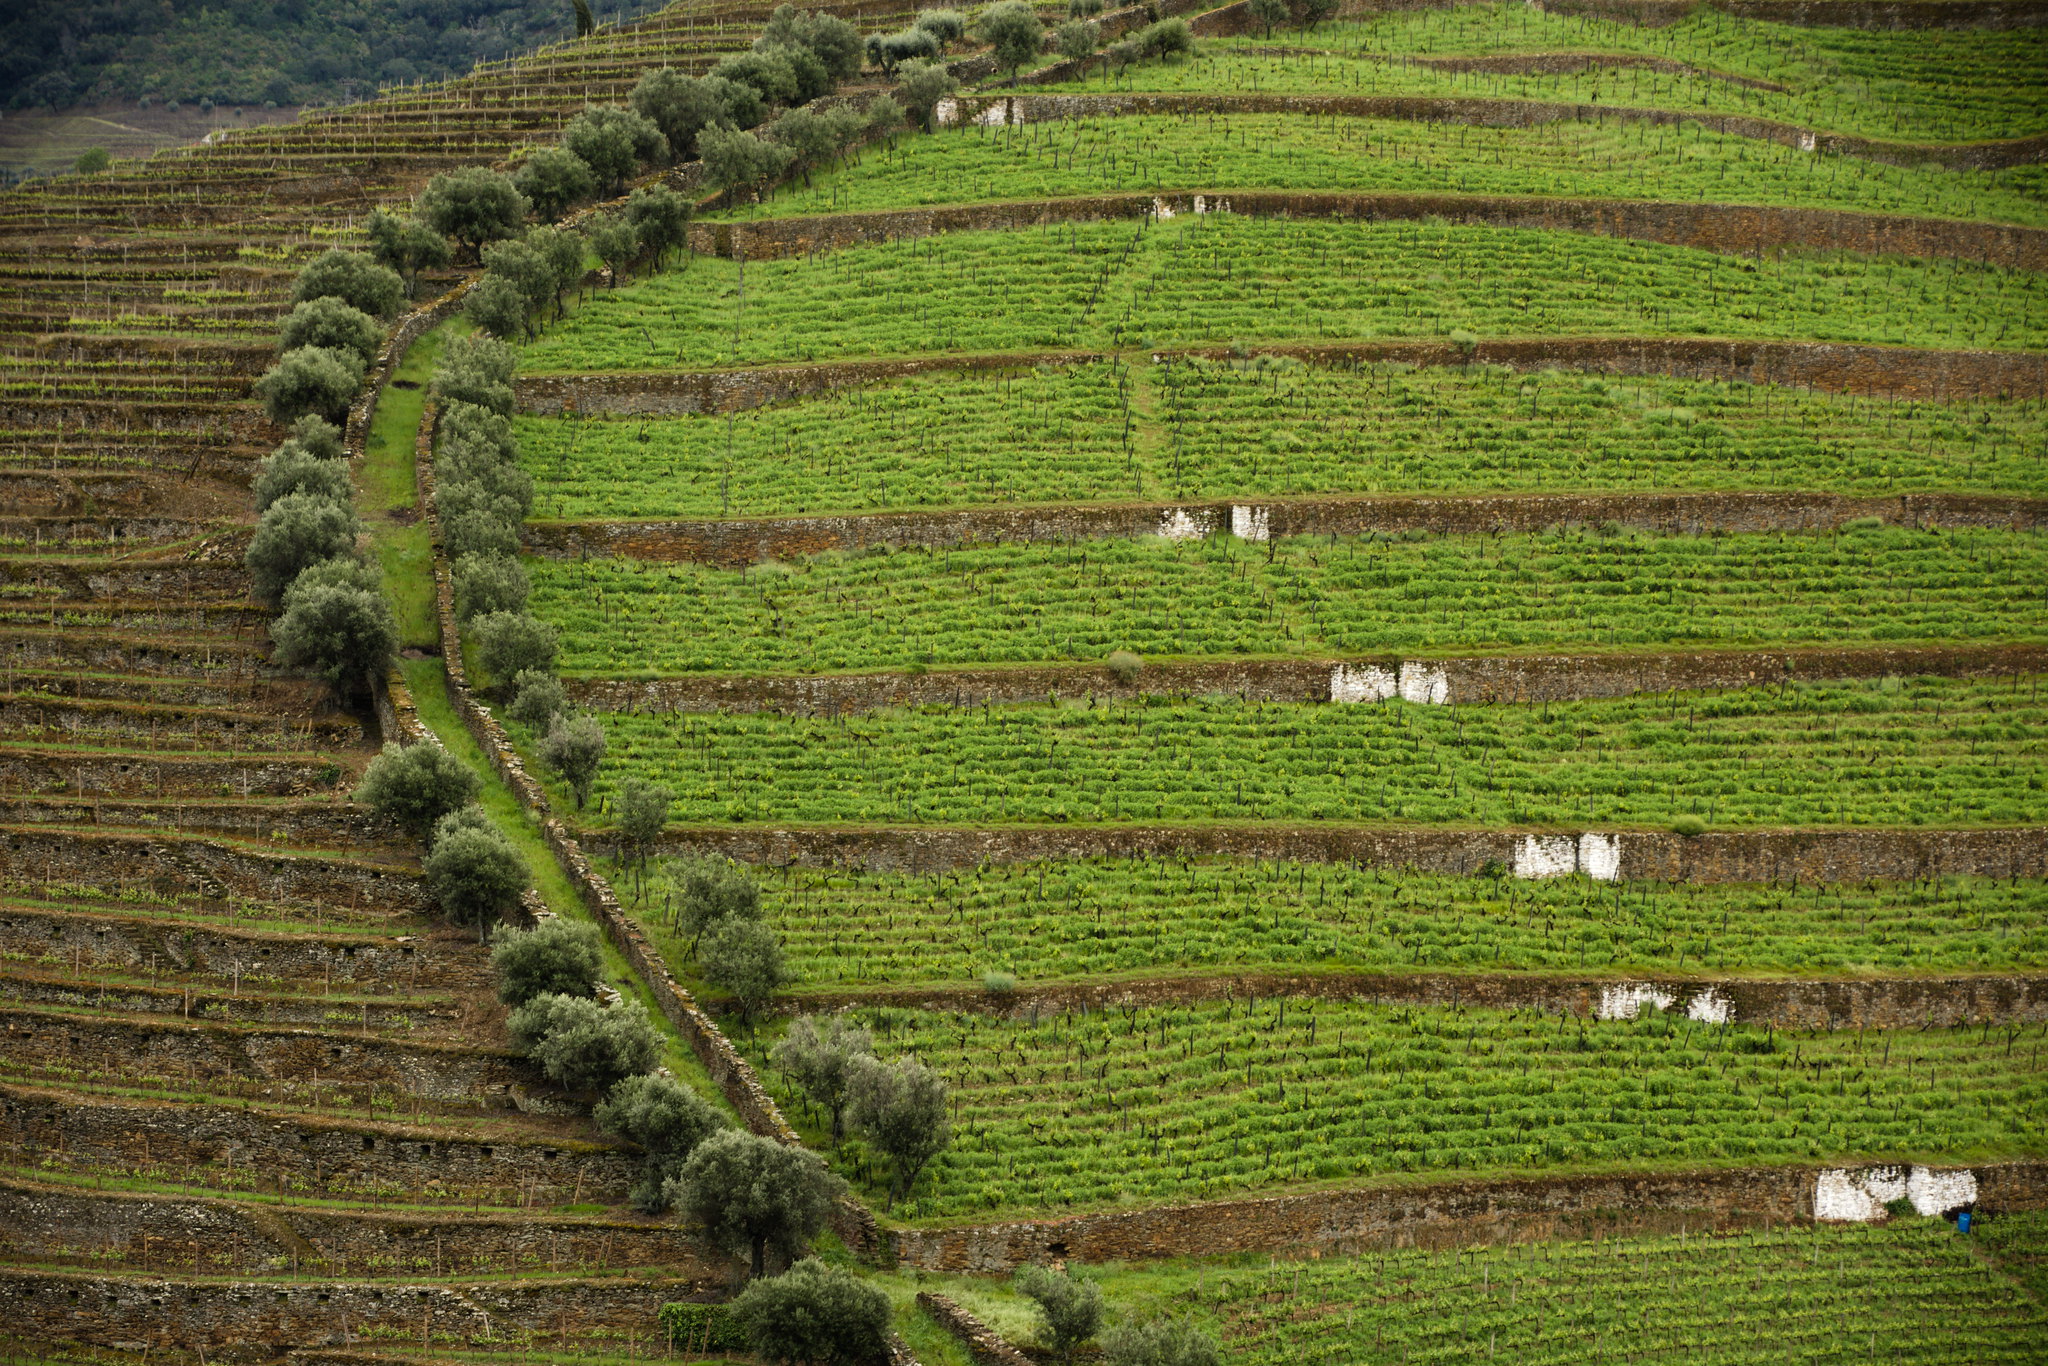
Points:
(303, 556)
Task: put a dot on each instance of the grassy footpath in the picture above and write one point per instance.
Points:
(385, 485)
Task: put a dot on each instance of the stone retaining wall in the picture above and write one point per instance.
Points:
(251, 1320)
(983, 1343)
(1834, 367)
(158, 1233)
(232, 1148)
(134, 652)
(442, 959)
(1879, 15)
(133, 1050)
(1471, 679)
(1436, 1214)
(126, 580)
(1860, 1003)
(249, 1003)
(729, 1070)
(997, 109)
(1718, 856)
(737, 543)
(209, 868)
(172, 727)
(298, 825)
(1736, 229)
(86, 773)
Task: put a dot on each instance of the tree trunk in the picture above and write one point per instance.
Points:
(760, 1257)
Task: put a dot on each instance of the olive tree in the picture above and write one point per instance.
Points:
(1012, 29)
(473, 205)
(475, 871)
(333, 324)
(406, 245)
(709, 891)
(496, 305)
(744, 958)
(291, 468)
(583, 1045)
(813, 1313)
(1159, 1342)
(821, 1062)
(1070, 1308)
(489, 583)
(1267, 13)
(733, 158)
(616, 242)
(613, 141)
(642, 809)
(574, 749)
(922, 85)
(416, 785)
(755, 1197)
(295, 532)
(901, 1107)
(668, 1120)
(680, 106)
(834, 42)
(312, 381)
(662, 219)
(335, 625)
(352, 277)
(537, 699)
(555, 958)
(552, 179)
(509, 642)
(318, 435)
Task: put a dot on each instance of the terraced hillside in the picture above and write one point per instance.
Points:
(1403, 631)
(1409, 632)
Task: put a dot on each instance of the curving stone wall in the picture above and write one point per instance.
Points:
(1735, 229)
(1717, 856)
(739, 542)
(1868, 1003)
(232, 1148)
(1440, 1214)
(1467, 680)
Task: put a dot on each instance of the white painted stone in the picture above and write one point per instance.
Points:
(1182, 525)
(1600, 857)
(1161, 210)
(1934, 1192)
(1423, 683)
(1362, 683)
(1538, 856)
(995, 116)
(1852, 1197)
(945, 113)
(1710, 1007)
(1250, 523)
(1808, 142)
(1625, 1000)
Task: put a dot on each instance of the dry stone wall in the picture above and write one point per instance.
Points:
(983, 1343)
(208, 867)
(135, 1050)
(736, 543)
(131, 652)
(996, 110)
(233, 1148)
(1440, 1214)
(1472, 679)
(1834, 367)
(301, 825)
(1718, 856)
(441, 959)
(1736, 229)
(251, 1320)
(155, 1233)
(84, 773)
(239, 1002)
(1861, 1003)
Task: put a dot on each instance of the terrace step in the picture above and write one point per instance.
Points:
(1766, 855)
(247, 618)
(302, 825)
(141, 942)
(1861, 1002)
(224, 1316)
(252, 1060)
(175, 481)
(511, 1160)
(740, 542)
(1742, 229)
(54, 773)
(211, 657)
(146, 536)
(68, 720)
(212, 869)
(1517, 678)
(208, 574)
(417, 1019)
(140, 1232)
(261, 694)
